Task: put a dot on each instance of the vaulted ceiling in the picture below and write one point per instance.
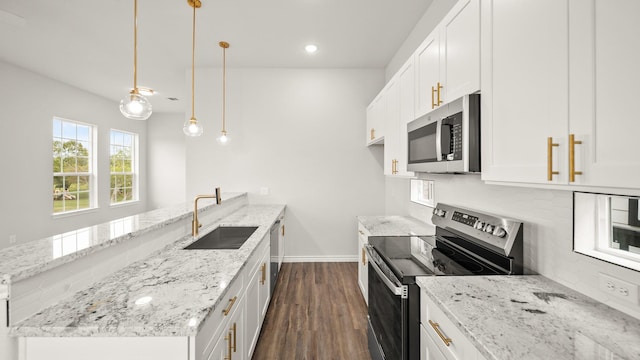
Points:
(89, 44)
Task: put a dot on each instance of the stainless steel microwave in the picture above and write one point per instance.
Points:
(446, 140)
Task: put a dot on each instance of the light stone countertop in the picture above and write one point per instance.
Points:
(532, 317)
(31, 258)
(185, 286)
(395, 226)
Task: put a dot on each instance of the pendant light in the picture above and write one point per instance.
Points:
(223, 139)
(191, 126)
(135, 106)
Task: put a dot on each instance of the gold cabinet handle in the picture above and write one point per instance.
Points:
(228, 338)
(433, 100)
(364, 259)
(436, 327)
(550, 172)
(282, 229)
(373, 133)
(235, 337)
(572, 158)
(263, 269)
(360, 231)
(228, 309)
(439, 88)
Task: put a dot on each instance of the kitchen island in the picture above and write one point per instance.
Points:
(530, 317)
(169, 305)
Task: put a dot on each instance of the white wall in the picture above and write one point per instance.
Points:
(434, 14)
(300, 134)
(166, 161)
(28, 102)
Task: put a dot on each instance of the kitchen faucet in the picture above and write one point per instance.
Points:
(195, 225)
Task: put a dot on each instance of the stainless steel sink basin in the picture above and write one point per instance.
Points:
(224, 237)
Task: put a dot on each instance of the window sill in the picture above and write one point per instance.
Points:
(73, 213)
(125, 203)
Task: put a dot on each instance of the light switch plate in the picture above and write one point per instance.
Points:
(619, 288)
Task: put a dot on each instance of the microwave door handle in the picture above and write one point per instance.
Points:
(439, 140)
(395, 289)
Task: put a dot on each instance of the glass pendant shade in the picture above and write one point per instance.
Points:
(192, 128)
(223, 139)
(135, 106)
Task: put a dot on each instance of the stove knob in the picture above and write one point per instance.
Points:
(478, 225)
(499, 232)
(439, 212)
(489, 228)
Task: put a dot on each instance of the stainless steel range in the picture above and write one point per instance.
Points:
(467, 242)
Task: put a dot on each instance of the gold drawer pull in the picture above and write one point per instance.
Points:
(550, 172)
(235, 336)
(436, 327)
(228, 338)
(360, 231)
(572, 158)
(364, 259)
(433, 100)
(373, 133)
(263, 269)
(439, 88)
(228, 309)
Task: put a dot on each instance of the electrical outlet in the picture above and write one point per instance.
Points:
(12, 239)
(618, 288)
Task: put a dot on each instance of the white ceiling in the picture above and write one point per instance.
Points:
(89, 44)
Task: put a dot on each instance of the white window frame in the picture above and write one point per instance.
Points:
(135, 169)
(91, 173)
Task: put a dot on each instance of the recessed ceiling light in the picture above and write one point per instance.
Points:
(311, 48)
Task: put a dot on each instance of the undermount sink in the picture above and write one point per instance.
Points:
(224, 237)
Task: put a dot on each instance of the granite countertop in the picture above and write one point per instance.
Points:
(395, 226)
(184, 286)
(31, 258)
(532, 317)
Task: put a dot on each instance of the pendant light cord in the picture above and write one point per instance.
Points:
(224, 87)
(135, 46)
(193, 70)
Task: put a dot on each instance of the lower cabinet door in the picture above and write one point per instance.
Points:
(231, 344)
(428, 349)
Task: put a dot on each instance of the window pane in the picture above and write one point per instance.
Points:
(57, 128)
(69, 164)
(128, 140)
(128, 181)
(82, 148)
(83, 200)
(127, 166)
(68, 130)
(57, 164)
(83, 133)
(83, 164)
(119, 138)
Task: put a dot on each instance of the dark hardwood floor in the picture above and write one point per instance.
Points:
(316, 312)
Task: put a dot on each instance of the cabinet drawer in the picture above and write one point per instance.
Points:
(428, 348)
(439, 328)
(219, 317)
(254, 261)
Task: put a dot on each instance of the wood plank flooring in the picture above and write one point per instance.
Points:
(317, 312)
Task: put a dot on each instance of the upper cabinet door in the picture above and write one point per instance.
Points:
(391, 98)
(604, 82)
(524, 99)
(407, 87)
(375, 120)
(427, 63)
(460, 50)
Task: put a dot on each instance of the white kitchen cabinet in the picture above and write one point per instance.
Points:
(603, 89)
(555, 100)
(231, 343)
(375, 121)
(439, 336)
(281, 237)
(448, 61)
(427, 74)
(257, 297)
(524, 90)
(391, 98)
(363, 270)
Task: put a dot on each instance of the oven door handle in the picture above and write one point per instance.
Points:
(395, 289)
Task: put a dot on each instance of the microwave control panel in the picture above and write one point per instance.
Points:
(452, 137)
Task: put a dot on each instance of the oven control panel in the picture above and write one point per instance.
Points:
(491, 230)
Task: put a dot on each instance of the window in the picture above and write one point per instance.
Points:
(123, 167)
(72, 166)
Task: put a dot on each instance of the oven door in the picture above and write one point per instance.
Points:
(388, 337)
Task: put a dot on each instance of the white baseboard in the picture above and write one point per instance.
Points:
(326, 258)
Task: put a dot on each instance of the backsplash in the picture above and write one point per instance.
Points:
(548, 229)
